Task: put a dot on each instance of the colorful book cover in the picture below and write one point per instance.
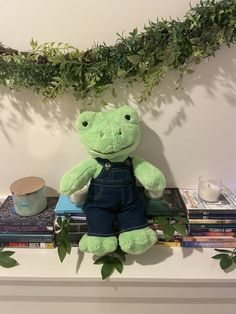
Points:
(10, 221)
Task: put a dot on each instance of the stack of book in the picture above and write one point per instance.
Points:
(75, 215)
(169, 206)
(211, 225)
(27, 232)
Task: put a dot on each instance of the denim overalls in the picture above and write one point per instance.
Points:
(113, 199)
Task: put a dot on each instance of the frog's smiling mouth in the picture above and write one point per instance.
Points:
(112, 152)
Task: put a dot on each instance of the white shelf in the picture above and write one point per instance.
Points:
(162, 280)
(159, 264)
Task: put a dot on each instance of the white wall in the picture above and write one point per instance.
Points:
(186, 133)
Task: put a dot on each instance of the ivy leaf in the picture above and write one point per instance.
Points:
(223, 251)
(101, 260)
(220, 256)
(59, 221)
(168, 232)
(234, 259)
(184, 220)
(61, 249)
(121, 253)
(180, 228)
(7, 261)
(107, 270)
(161, 221)
(134, 59)
(117, 264)
(226, 262)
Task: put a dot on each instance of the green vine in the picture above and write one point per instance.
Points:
(54, 69)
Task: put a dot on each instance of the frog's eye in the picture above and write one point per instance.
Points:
(127, 117)
(85, 123)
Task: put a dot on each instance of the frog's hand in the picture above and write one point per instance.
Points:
(148, 175)
(78, 176)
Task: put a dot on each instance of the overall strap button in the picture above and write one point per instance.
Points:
(107, 165)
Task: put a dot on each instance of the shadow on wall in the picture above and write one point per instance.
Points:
(61, 113)
(152, 150)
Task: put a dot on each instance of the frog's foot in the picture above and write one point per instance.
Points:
(97, 245)
(137, 241)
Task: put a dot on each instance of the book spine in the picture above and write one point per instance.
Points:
(212, 226)
(168, 244)
(212, 216)
(209, 244)
(212, 234)
(209, 239)
(212, 230)
(21, 228)
(26, 238)
(212, 211)
(212, 221)
(29, 245)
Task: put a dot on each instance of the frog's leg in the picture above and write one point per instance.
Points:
(98, 245)
(137, 241)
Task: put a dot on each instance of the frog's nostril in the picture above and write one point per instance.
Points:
(120, 132)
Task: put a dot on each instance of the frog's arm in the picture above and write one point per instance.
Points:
(79, 175)
(148, 175)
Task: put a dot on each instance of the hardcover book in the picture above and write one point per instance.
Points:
(65, 207)
(195, 205)
(170, 204)
(10, 221)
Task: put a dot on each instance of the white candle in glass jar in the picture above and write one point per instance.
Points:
(209, 189)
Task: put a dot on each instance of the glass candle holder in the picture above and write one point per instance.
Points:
(209, 189)
(29, 197)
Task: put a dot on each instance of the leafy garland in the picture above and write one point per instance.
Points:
(54, 69)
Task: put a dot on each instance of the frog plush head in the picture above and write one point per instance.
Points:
(111, 134)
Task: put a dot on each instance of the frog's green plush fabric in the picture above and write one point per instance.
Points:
(112, 135)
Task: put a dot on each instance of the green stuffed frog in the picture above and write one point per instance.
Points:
(112, 198)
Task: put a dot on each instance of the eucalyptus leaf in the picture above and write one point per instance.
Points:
(134, 59)
(54, 69)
